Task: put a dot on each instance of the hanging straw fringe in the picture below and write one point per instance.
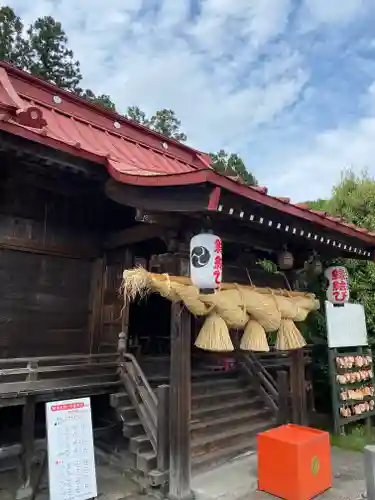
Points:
(289, 337)
(258, 310)
(254, 338)
(214, 335)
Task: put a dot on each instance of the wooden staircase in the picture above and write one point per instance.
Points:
(227, 411)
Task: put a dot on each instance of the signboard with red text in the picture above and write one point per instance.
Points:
(338, 285)
(71, 461)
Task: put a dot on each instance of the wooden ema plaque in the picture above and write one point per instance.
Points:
(352, 384)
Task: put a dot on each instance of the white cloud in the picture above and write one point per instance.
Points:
(313, 171)
(193, 64)
(332, 12)
(231, 70)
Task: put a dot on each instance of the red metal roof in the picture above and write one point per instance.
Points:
(132, 154)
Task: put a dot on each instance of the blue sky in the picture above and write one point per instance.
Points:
(287, 84)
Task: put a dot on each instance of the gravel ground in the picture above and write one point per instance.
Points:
(348, 482)
(112, 485)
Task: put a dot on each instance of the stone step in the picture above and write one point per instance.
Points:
(217, 424)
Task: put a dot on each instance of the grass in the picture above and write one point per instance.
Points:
(356, 438)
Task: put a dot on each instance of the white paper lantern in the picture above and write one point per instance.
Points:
(206, 260)
(338, 291)
(285, 260)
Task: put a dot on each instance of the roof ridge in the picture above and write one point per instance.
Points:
(107, 130)
(113, 115)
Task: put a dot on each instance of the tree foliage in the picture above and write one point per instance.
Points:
(137, 115)
(101, 100)
(165, 122)
(232, 165)
(14, 49)
(43, 51)
(51, 59)
(353, 199)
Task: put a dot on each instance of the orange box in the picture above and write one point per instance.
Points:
(294, 462)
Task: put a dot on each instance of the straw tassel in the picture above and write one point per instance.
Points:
(214, 335)
(289, 337)
(254, 338)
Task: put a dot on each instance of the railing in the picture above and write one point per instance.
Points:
(141, 395)
(152, 409)
(280, 379)
(261, 379)
(41, 376)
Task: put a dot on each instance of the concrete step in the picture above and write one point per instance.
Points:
(212, 442)
(236, 479)
(217, 424)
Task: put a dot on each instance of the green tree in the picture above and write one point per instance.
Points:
(51, 59)
(14, 49)
(101, 100)
(318, 204)
(354, 200)
(137, 115)
(165, 122)
(232, 165)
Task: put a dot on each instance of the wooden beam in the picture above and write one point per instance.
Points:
(190, 198)
(180, 404)
(134, 234)
(29, 246)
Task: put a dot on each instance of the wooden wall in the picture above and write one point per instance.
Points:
(48, 242)
(43, 304)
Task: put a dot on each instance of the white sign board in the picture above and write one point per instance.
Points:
(71, 461)
(346, 325)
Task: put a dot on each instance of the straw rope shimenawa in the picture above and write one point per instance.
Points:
(256, 310)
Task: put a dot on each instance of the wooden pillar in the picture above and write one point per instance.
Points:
(180, 404)
(298, 387)
(128, 262)
(162, 439)
(28, 438)
(283, 390)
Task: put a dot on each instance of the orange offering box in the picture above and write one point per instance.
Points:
(294, 462)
